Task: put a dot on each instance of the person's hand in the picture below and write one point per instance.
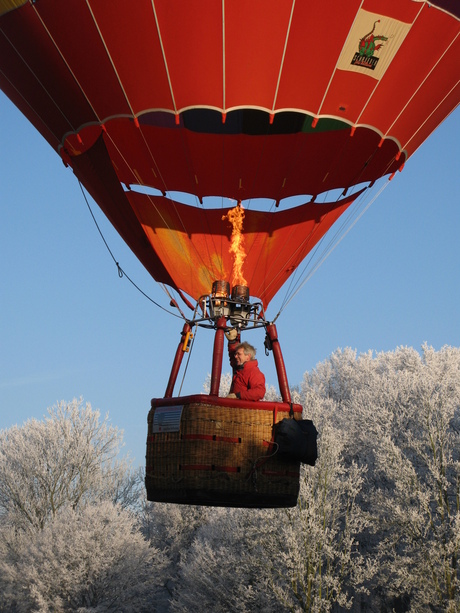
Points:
(231, 334)
(231, 395)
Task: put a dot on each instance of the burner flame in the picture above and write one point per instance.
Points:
(236, 217)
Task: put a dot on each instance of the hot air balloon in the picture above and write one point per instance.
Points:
(209, 134)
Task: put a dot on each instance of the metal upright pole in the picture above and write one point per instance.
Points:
(177, 361)
(279, 363)
(217, 357)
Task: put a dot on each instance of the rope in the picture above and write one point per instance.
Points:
(332, 246)
(121, 272)
(298, 275)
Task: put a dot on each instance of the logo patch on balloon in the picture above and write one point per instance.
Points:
(368, 45)
(372, 44)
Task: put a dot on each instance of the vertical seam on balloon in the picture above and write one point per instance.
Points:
(205, 226)
(292, 257)
(262, 153)
(430, 115)
(335, 67)
(68, 67)
(129, 166)
(283, 55)
(180, 247)
(110, 58)
(149, 197)
(185, 252)
(378, 83)
(191, 169)
(224, 109)
(420, 86)
(223, 58)
(331, 79)
(218, 241)
(164, 56)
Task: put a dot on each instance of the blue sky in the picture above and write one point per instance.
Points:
(70, 327)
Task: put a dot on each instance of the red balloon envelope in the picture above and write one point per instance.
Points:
(237, 99)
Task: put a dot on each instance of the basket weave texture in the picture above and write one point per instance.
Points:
(222, 455)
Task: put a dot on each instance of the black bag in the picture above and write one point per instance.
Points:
(296, 440)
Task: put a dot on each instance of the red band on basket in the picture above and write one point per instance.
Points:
(224, 469)
(210, 437)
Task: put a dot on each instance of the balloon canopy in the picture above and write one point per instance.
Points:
(239, 100)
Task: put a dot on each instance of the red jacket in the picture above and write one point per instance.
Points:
(248, 382)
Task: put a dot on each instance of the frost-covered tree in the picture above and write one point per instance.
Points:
(69, 539)
(419, 497)
(228, 565)
(224, 386)
(69, 458)
(172, 528)
(89, 559)
(321, 565)
(400, 418)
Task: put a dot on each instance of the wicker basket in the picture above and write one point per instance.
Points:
(218, 452)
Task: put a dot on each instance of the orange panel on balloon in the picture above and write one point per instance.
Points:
(194, 243)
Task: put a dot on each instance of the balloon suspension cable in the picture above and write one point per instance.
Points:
(332, 246)
(121, 272)
(173, 301)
